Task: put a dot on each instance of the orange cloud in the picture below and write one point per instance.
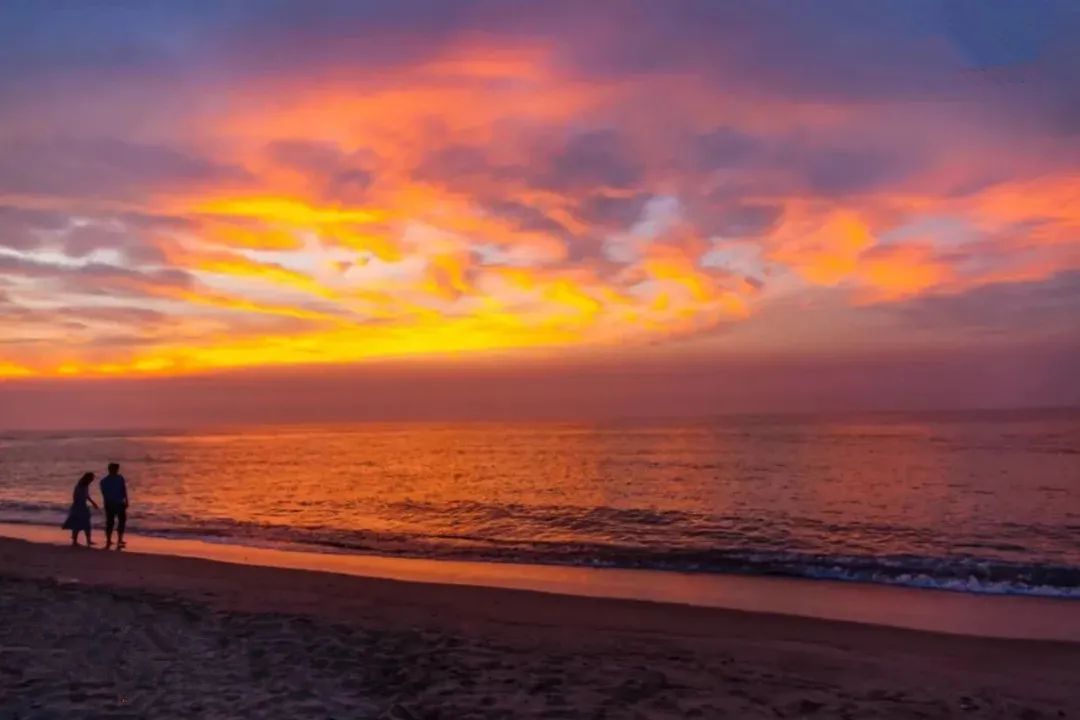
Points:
(824, 251)
(893, 273)
(1051, 203)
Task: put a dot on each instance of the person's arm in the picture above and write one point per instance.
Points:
(123, 487)
(91, 500)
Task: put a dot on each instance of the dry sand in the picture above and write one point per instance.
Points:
(86, 633)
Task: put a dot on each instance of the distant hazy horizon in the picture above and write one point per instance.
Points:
(586, 391)
(779, 417)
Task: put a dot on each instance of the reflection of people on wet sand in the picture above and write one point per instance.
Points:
(78, 519)
(114, 495)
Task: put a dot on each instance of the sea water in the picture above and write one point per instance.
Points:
(977, 502)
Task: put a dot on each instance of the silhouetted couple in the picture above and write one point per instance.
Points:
(115, 498)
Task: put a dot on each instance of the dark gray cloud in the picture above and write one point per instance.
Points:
(612, 211)
(525, 217)
(723, 147)
(598, 158)
(840, 172)
(833, 50)
(336, 174)
(1000, 33)
(557, 160)
(830, 167)
(829, 50)
(104, 167)
(1047, 308)
(733, 218)
(172, 41)
(82, 316)
(25, 229)
(597, 168)
(457, 163)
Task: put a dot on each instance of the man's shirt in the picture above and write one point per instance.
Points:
(114, 489)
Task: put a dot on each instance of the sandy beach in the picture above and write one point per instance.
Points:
(96, 634)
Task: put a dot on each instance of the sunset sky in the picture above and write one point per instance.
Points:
(623, 201)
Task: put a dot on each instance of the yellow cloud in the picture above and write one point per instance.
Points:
(12, 370)
(286, 210)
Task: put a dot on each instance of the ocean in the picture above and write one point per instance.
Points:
(975, 502)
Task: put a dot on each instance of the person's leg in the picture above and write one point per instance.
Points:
(89, 542)
(110, 522)
(121, 523)
(74, 536)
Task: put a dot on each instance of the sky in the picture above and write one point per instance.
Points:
(496, 208)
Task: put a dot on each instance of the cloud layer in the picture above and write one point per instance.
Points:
(194, 186)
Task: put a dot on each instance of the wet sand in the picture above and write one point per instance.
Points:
(87, 633)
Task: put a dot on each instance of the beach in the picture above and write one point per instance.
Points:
(95, 634)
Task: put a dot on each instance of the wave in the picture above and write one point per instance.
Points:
(956, 572)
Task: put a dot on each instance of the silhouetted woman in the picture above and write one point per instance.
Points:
(78, 518)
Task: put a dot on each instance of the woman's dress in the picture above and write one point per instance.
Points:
(78, 518)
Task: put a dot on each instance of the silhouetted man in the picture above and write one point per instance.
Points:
(114, 493)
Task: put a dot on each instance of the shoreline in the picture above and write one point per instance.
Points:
(998, 616)
(210, 638)
(969, 575)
